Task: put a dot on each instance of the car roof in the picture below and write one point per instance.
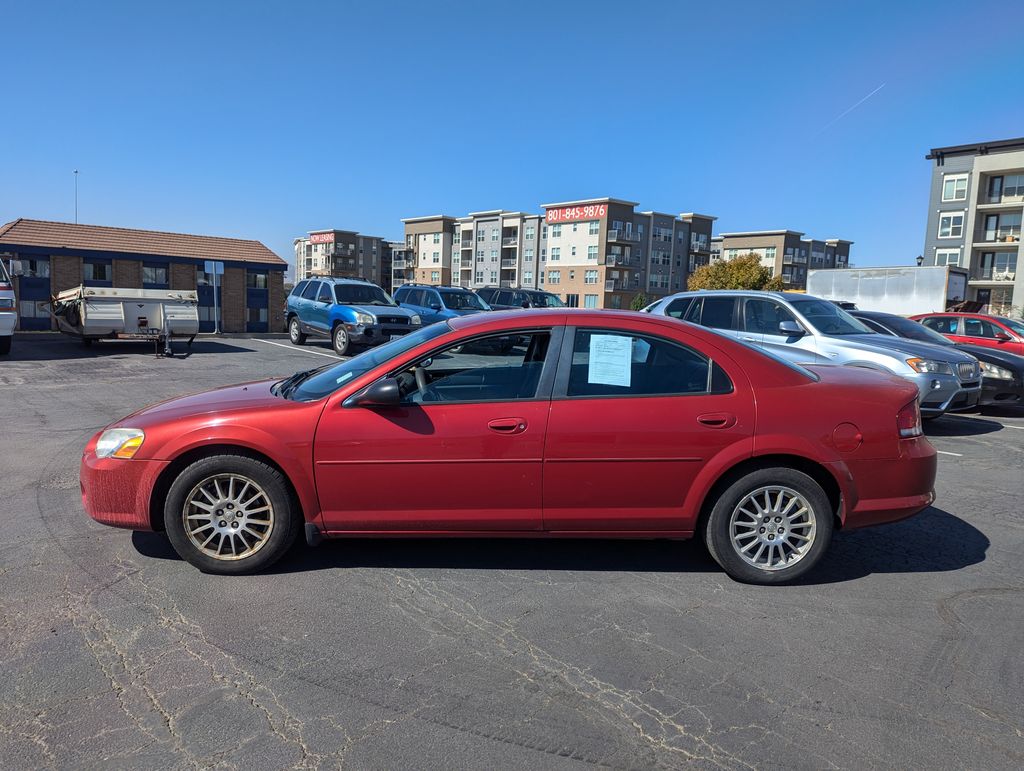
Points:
(786, 296)
(342, 280)
(874, 314)
(413, 285)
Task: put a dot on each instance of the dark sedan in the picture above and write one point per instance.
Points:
(1002, 373)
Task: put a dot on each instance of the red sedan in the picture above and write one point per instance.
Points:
(565, 423)
(997, 332)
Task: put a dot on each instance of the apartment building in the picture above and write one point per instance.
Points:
(974, 218)
(343, 254)
(595, 253)
(785, 252)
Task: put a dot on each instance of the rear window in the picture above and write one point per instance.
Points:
(309, 292)
(545, 300)
(297, 289)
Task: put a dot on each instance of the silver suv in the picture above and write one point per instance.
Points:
(808, 330)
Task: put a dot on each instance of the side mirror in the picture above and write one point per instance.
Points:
(383, 393)
(790, 328)
(435, 307)
(526, 304)
(1002, 336)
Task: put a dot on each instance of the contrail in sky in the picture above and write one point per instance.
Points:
(850, 109)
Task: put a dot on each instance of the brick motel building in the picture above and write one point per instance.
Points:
(56, 256)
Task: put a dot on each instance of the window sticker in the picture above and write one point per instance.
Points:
(345, 376)
(610, 360)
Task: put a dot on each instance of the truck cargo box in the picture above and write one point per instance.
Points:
(905, 291)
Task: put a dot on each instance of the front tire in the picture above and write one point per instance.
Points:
(295, 332)
(340, 340)
(230, 514)
(770, 526)
(5, 344)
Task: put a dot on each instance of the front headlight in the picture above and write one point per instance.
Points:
(363, 318)
(930, 365)
(991, 370)
(415, 319)
(119, 443)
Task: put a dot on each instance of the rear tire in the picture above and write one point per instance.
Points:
(340, 340)
(770, 526)
(5, 344)
(230, 514)
(295, 333)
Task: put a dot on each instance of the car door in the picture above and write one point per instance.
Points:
(766, 315)
(320, 312)
(719, 312)
(413, 300)
(307, 305)
(635, 417)
(989, 334)
(462, 452)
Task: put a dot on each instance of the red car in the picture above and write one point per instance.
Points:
(978, 329)
(526, 423)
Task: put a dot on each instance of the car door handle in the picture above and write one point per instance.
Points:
(507, 425)
(749, 339)
(717, 419)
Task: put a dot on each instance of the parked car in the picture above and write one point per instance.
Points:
(439, 303)
(1002, 373)
(349, 311)
(978, 329)
(595, 424)
(805, 329)
(8, 310)
(503, 299)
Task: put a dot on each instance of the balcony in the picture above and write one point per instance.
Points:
(615, 285)
(466, 245)
(506, 284)
(342, 250)
(510, 241)
(624, 236)
(1005, 235)
(620, 259)
(398, 264)
(996, 275)
(509, 263)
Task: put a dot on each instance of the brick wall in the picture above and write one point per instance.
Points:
(65, 272)
(182, 276)
(233, 297)
(275, 299)
(127, 273)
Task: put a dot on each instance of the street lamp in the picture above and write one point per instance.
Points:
(920, 260)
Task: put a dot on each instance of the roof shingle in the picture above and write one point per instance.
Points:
(66, 235)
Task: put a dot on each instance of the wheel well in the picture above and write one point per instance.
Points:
(183, 461)
(815, 471)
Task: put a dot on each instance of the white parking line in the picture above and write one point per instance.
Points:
(297, 349)
(954, 454)
(1019, 428)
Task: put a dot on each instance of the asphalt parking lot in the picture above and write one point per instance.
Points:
(902, 651)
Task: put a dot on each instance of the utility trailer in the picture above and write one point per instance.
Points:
(106, 313)
(905, 291)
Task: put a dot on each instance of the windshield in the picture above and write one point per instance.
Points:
(321, 382)
(462, 301)
(914, 331)
(361, 294)
(545, 300)
(827, 318)
(1016, 326)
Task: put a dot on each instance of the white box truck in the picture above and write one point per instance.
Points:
(903, 291)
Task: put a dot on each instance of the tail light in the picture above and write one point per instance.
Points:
(908, 421)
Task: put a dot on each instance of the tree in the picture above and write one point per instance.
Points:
(639, 302)
(743, 272)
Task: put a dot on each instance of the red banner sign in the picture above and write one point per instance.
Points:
(591, 211)
(321, 238)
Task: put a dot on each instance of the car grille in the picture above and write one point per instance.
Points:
(392, 320)
(967, 370)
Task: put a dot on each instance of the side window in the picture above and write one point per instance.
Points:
(518, 298)
(979, 328)
(431, 298)
(718, 312)
(497, 368)
(764, 316)
(310, 291)
(325, 295)
(677, 308)
(414, 297)
(945, 325)
(487, 295)
(297, 289)
(613, 363)
(693, 314)
(503, 298)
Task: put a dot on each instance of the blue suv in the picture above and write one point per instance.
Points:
(438, 303)
(348, 311)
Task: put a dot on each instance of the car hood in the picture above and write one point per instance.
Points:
(466, 311)
(244, 396)
(382, 310)
(994, 356)
(912, 347)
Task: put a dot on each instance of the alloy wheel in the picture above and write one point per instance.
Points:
(228, 517)
(772, 528)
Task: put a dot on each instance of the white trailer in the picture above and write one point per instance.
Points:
(904, 291)
(107, 313)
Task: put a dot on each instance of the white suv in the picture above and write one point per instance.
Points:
(8, 310)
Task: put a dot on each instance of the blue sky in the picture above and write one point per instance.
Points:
(264, 120)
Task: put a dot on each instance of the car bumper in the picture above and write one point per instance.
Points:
(891, 490)
(117, 492)
(7, 321)
(375, 334)
(997, 392)
(940, 393)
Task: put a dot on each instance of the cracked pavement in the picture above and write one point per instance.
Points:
(902, 650)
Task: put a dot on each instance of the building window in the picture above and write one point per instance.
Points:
(554, 276)
(258, 315)
(479, 254)
(435, 257)
(1002, 227)
(951, 225)
(590, 301)
(529, 232)
(96, 271)
(494, 277)
(947, 256)
(35, 268)
(594, 227)
(528, 254)
(591, 252)
(1001, 300)
(542, 277)
(255, 280)
(573, 251)
(769, 252)
(615, 301)
(954, 187)
(154, 274)
(998, 266)
(435, 276)
(527, 276)
(481, 236)
(479, 277)
(556, 231)
(556, 253)
(494, 235)
(437, 238)
(590, 277)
